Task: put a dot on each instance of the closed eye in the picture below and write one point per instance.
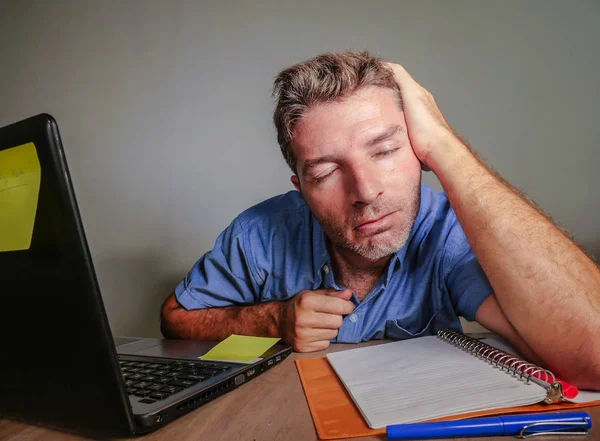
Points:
(317, 179)
(386, 152)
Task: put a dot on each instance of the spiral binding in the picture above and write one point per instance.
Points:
(515, 366)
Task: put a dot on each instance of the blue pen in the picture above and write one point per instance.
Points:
(495, 426)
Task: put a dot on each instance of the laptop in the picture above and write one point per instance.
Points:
(61, 366)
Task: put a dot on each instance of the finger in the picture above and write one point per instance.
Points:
(318, 334)
(345, 294)
(326, 334)
(320, 320)
(332, 305)
(311, 347)
(403, 78)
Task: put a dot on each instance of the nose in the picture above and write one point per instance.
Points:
(365, 185)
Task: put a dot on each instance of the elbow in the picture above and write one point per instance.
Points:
(168, 318)
(585, 372)
(166, 328)
(166, 324)
(589, 378)
(590, 373)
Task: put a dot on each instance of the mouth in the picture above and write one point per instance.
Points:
(375, 225)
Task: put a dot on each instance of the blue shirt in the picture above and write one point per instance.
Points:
(276, 249)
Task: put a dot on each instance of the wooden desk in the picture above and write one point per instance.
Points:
(270, 407)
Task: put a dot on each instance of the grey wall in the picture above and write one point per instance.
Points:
(165, 109)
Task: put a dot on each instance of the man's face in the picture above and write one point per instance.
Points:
(358, 173)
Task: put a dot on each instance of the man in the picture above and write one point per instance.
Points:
(362, 251)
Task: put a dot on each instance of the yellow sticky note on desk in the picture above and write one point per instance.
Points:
(20, 175)
(241, 348)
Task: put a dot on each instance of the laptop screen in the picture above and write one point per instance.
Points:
(61, 366)
(40, 278)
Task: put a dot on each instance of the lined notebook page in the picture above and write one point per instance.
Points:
(424, 378)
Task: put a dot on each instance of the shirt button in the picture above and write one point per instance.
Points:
(325, 269)
(353, 318)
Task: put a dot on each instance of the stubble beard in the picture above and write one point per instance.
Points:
(375, 249)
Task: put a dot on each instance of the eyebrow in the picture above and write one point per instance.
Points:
(388, 133)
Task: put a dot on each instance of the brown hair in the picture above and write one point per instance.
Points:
(324, 78)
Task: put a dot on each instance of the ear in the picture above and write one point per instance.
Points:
(295, 181)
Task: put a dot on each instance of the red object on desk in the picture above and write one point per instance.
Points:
(569, 391)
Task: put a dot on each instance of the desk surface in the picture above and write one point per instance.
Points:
(270, 407)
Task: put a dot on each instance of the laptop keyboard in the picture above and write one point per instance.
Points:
(156, 380)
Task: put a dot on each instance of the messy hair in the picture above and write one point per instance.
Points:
(322, 79)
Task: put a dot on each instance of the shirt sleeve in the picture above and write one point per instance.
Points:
(465, 279)
(222, 277)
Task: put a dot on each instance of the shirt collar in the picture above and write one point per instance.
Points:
(320, 254)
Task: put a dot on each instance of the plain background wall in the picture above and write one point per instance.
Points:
(165, 110)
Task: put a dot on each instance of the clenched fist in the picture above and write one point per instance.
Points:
(312, 318)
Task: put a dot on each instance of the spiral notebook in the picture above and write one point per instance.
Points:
(336, 416)
(440, 376)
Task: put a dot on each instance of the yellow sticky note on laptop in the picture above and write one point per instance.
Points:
(20, 176)
(240, 348)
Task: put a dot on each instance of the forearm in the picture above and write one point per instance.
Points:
(546, 286)
(263, 320)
